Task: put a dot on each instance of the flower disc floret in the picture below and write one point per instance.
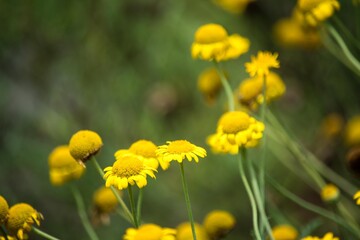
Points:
(219, 223)
(179, 150)
(150, 232)
(128, 169)
(84, 144)
(261, 63)
(21, 217)
(4, 210)
(239, 129)
(285, 232)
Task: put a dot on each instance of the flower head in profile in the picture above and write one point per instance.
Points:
(128, 169)
(84, 144)
(327, 236)
(104, 203)
(239, 129)
(150, 232)
(250, 94)
(63, 167)
(21, 218)
(233, 6)
(218, 223)
(313, 12)
(260, 64)
(285, 232)
(4, 210)
(184, 232)
(212, 42)
(209, 84)
(330, 193)
(178, 150)
(357, 197)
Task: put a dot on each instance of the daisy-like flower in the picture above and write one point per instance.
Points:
(327, 236)
(250, 95)
(313, 12)
(330, 193)
(84, 144)
(4, 210)
(209, 84)
(357, 197)
(21, 218)
(179, 150)
(63, 167)
(150, 232)
(233, 6)
(104, 203)
(212, 42)
(184, 232)
(218, 223)
(261, 63)
(128, 169)
(239, 129)
(285, 232)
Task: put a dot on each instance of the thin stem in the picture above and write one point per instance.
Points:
(313, 208)
(187, 200)
(132, 205)
(347, 215)
(250, 195)
(346, 31)
(138, 207)
(258, 198)
(128, 216)
(2, 228)
(82, 213)
(226, 86)
(43, 234)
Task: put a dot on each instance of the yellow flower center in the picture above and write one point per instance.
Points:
(149, 232)
(210, 33)
(234, 122)
(180, 146)
(18, 215)
(128, 166)
(4, 209)
(144, 148)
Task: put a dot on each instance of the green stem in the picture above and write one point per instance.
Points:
(313, 208)
(2, 228)
(226, 86)
(347, 215)
(346, 31)
(43, 234)
(138, 207)
(132, 205)
(128, 216)
(82, 213)
(258, 197)
(187, 200)
(250, 195)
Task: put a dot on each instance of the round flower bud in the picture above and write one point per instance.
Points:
(218, 223)
(84, 144)
(4, 209)
(285, 232)
(330, 193)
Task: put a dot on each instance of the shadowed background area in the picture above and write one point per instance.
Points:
(124, 70)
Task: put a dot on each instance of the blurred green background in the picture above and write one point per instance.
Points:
(124, 70)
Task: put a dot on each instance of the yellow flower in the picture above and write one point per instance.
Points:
(288, 32)
(179, 150)
(150, 232)
(332, 125)
(352, 131)
(104, 203)
(84, 144)
(184, 232)
(260, 64)
(313, 12)
(239, 129)
(21, 217)
(330, 193)
(327, 236)
(63, 167)
(218, 146)
(233, 6)
(357, 197)
(4, 210)
(128, 169)
(212, 42)
(250, 90)
(209, 84)
(219, 223)
(353, 160)
(284, 232)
